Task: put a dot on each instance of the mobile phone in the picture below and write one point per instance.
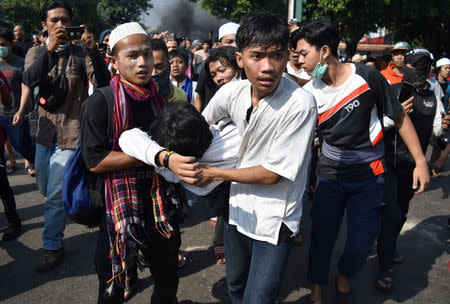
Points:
(75, 32)
(405, 92)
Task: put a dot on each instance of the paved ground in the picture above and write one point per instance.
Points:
(423, 278)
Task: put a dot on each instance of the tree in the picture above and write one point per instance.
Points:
(416, 21)
(115, 12)
(97, 15)
(353, 18)
(237, 10)
(421, 23)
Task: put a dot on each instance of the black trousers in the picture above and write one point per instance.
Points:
(6, 193)
(161, 255)
(398, 193)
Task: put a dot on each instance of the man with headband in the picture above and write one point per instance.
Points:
(141, 213)
(427, 116)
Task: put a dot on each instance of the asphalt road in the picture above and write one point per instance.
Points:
(423, 278)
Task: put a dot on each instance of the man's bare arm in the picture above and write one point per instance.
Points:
(409, 136)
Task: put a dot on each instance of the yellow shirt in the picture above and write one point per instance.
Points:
(178, 95)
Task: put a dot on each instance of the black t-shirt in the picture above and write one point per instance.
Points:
(96, 142)
(205, 89)
(350, 118)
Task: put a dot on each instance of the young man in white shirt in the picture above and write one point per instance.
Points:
(276, 119)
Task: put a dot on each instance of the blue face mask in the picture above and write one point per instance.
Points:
(4, 51)
(320, 69)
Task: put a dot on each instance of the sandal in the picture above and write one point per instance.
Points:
(308, 300)
(181, 259)
(10, 169)
(219, 252)
(344, 297)
(397, 258)
(384, 281)
(31, 170)
(128, 289)
(213, 221)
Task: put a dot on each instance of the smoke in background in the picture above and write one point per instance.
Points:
(186, 19)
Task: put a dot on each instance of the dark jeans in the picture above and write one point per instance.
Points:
(6, 192)
(20, 137)
(254, 269)
(362, 200)
(398, 193)
(162, 256)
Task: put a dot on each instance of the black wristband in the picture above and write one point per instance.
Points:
(166, 160)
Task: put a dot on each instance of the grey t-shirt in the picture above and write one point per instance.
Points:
(12, 70)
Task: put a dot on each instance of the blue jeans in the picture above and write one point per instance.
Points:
(20, 137)
(362, 200)
(254, 269)
(50, 163)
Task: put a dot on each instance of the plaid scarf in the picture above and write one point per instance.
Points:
(123, 204)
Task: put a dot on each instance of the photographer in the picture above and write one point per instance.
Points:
(62, 70)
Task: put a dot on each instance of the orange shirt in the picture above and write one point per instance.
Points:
(391, 76)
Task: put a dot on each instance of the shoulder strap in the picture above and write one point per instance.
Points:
(109, 98)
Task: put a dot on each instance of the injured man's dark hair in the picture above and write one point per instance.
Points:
(182, 129)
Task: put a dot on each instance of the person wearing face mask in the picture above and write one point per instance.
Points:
(161, 73)
(58, 129)
(12, 118)
(427, 117)
(351, 102)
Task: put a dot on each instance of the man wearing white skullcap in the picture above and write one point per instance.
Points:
(227, 34)
(140, 209)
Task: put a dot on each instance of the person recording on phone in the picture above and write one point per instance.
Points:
(62, 70)
(427, 116)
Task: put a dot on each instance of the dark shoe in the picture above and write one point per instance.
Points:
(31, 170)
(12, 232)
(10, 169)
(50, 259)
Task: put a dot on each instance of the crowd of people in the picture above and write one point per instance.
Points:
(242, 134)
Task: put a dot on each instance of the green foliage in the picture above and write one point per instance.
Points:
(114, 12)
(423, 23)
(415, 21)
(237, 10)
(97, 15)
(354, 18)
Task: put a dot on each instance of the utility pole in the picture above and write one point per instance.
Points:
(296, 10)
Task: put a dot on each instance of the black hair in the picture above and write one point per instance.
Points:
(179, 53)
(55, 4)
(181, 128)
(158, 44)
(7, 34)
(317, 33)
(226, 56)
(264, 30)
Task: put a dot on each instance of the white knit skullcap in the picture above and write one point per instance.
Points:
(228, 28)
(442, 61)
(124, 30)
